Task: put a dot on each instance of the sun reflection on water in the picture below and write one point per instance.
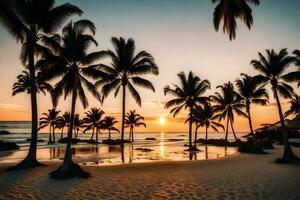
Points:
(162, 145)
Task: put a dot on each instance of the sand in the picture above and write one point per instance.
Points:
(241, 176)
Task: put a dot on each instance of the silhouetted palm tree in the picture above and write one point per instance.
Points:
(108, 123)
(226, 104)
(25, 20)
(294, 109)
(229, 11)
(205, 117)
(78, 124)
(93, 120)
(50, 119)
(75, 66)
(23, 84)
(132, 119)
(187, 96)
(272, 70)
(125, 71)
(251, 91)
(64, 122)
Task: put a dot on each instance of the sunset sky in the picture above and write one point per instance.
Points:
(181, 37)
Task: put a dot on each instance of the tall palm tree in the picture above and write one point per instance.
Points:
(226, 104)
(294, 109)
(70, 61)
(272, 69)
(251, 91)
(229, 11)
(23, 84)
(132, 119)
(25, 20)
(206, 117)
(125, 72)
(108, 123)
(187, 96)
(92, 121)
(50, 119)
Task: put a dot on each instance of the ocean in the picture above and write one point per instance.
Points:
(166, 146)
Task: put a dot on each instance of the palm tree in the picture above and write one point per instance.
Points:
(25, 20)
(231, 10)
(251, 91)
(187, 96)
(205, 117)
(50, 119)
(108, 123)
(78, 124)
(294, 109)
(23, 84)
(272, 70)
(226, 104)
(132, 119)
(75, 66)
(125, 71)
(93, 121)
(64, 122)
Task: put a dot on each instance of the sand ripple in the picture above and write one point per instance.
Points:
(241, 177)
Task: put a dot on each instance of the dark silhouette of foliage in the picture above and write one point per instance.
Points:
(228, 11)
(272, 70)
(132, 119)
(125, 72)
(187, 96)
(26, 20)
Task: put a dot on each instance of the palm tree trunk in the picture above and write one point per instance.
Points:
(190, 129)
(62, 133)
(109, 136)
(122, 155)
(50, 137)
(68, 155)
(288, 154)
(226, 134)
(231, 124)
(250, 125)
(129, 137)
(93, 134)
(30, 159)
(76, 133)
(68, 168)
(96, 135)
(206, 132)
(196, 134)
(53, 132)
(132, 135)
(123, 116)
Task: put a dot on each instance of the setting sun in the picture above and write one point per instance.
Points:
(162, 121)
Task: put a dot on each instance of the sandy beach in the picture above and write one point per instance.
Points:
(240, 176)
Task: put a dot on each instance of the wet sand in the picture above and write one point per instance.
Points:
(240, 176)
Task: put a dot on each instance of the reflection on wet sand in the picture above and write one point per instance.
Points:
(131, 153)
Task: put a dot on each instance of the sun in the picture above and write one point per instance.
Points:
(162, 121)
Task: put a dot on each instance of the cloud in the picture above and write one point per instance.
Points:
(155, 102)
(10, 106)
(272, 104)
